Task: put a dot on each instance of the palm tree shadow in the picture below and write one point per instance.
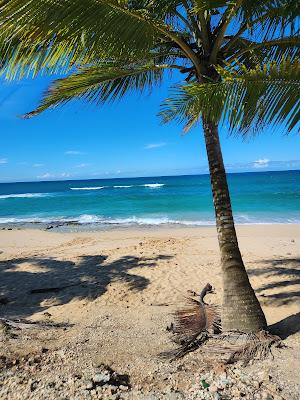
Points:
(30, 285)
(282, 289)
(284, 276)
(287, 326)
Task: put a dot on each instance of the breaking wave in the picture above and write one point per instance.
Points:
(123, 186)
(88, 188)
(24, 195)
(153, 185)
(86, 219)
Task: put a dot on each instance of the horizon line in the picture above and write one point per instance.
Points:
(152, 176)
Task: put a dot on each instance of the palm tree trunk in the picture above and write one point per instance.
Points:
(241, 309)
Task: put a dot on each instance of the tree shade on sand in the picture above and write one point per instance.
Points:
(240, 64)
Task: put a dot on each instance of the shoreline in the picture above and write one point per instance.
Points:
(72, 227)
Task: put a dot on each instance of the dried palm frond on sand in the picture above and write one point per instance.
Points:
(239, 346)
(198, 324)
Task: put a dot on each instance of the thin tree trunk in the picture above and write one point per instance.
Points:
(241, 309)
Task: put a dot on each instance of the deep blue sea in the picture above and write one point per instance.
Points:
(262, 197)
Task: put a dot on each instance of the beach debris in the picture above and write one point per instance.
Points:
(5, 331)
(193, 322)
(198, 324)
(240, 346)
(10, 328)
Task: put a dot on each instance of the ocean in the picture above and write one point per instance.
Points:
(257, 198)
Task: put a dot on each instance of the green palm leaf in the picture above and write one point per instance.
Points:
(54, 36)
(51, 33)
(246, 99)
(101, 84)
(272, 50)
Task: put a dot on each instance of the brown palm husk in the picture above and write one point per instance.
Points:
(198, 325)
(193, 322)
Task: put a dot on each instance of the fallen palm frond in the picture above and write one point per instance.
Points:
(193, 323)
(198, 325)
(194, 318)
(185, 347)
(239, 346)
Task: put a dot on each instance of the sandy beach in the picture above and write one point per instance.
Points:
(116, 290)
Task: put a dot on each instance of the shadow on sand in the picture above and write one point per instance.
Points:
(287, 326)
(29, 285)
(284, 279)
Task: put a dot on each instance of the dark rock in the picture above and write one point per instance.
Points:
(44, 350)
(33, 385)
(4, 300)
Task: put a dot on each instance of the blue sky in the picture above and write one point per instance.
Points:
(125, 139)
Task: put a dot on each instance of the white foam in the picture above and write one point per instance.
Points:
(23, 195)
(148, 185)
(88, 188)
(94, 219)
(26, 220)
(153, 185)
(123, 186)
(90, 219)
(86, 219)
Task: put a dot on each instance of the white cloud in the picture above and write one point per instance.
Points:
(38, 165)
(154, 145)
(73, 152)
(83, 165)
(65, 175)
(48, 175)
(45, 176)
(3, 161)
(262, 163)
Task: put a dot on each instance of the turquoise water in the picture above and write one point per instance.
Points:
(265, 197)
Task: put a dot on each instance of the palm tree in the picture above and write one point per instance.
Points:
(239, 63)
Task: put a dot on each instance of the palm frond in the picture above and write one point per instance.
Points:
(246, 99)
(54, 36)
(272, 50)
(206, 5)
(270, 19)
(101, 84)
